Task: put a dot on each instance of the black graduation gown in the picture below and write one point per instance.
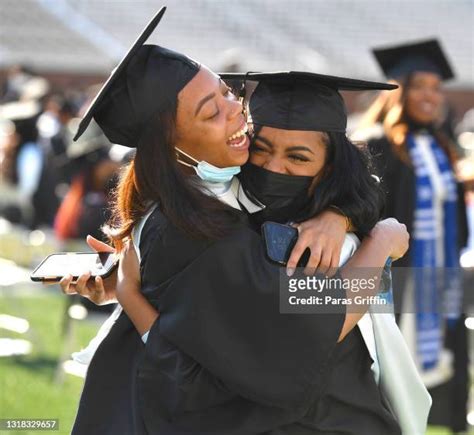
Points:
(220, 358)
(398, 180)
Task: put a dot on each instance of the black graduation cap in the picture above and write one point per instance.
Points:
(398, 61)
(145, 81)
(293, 100)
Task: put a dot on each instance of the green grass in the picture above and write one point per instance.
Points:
(27, 383)
(438, 431)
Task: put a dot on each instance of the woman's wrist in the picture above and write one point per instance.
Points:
(335, 209)
(380, 239)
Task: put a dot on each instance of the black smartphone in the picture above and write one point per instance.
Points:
(279, 241)
(55, 266)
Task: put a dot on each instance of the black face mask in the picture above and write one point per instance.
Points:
(284, 196)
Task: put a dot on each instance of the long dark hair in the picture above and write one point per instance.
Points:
(154, 175)
(348, 184)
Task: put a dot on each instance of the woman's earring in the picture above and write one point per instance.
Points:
(241, 94)
(241, 91)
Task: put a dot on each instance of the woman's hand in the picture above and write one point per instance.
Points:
(394, 234)
(324, 236)
(128, 274)
(99, 291)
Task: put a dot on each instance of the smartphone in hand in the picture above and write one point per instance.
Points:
(55, 266)
(279, 241)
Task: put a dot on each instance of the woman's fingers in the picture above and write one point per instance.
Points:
(325, 252)
(336, 256)
(295, 256)
(313, 262)
(99, 285)
(81, 284)
(84, 286)
(66, 285)
(395, 233)
(325, 262)
(98, 246)
(97, 291)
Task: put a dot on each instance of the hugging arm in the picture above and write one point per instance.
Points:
(324, 236)
(223, 310)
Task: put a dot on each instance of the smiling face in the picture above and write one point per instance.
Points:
(290, 152)
(210, 124)
(423, 97)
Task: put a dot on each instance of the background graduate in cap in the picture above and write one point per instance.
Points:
(416, 161)
(210, 364)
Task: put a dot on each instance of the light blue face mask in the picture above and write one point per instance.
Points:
(208, 172)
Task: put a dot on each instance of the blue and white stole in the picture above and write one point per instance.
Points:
(437, 280)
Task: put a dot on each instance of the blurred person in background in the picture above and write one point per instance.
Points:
(26, 168)
(13, 206)
(54, 138)
(17, 76)
(52, 123)
(23, 163)
(417, 161)
(84, 209)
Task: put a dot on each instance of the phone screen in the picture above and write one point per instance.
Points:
(55, 266)
(279, 241)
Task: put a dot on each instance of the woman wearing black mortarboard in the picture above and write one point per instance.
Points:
(416, 162)
(299, 130)
(220, 358)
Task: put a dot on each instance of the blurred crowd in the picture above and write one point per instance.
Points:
(46, 179)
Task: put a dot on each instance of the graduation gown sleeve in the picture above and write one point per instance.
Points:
(222, 312)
